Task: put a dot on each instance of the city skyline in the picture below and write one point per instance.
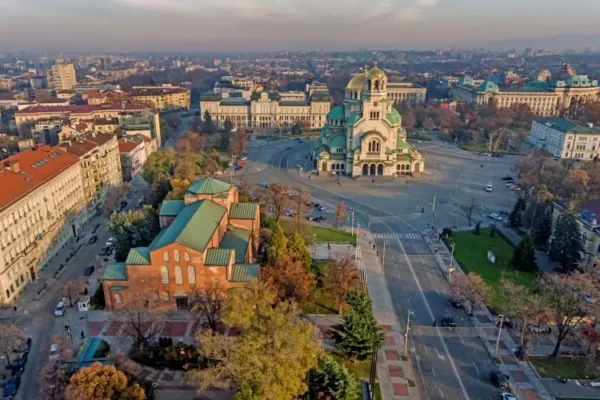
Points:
(264, 25)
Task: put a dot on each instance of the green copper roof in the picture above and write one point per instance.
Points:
(193, 227)
(401, 144)
(115, 272)
(243, 211)
(209, 186)
(245, 272)
(567, 126)
(337, 141)
(170, 208)
(357, 82)
(218, 257)
(238, 240)
(353, 118)
(403, 157)
(336, 112)
(394, 117)
(138, 256)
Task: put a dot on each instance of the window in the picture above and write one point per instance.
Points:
(166, 256)
(176, 255)
(191, 275)
(118, 298)
(167, 297)
(178, 275)
(155, 296)
(164, 272)
(187, 256)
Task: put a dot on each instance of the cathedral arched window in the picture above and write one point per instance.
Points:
(376, 85)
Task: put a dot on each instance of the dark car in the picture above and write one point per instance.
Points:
(499, 380)
(316, 205)
(448, 322)
(123, 204)
(506, 323)
(288, 148)
(12, 387)
(508, 178)
(456, 303)
(18, 365)
(104, 251)
(88, 271)
(93, 239)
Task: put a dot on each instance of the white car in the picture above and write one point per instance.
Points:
(110, 242)
(323, 208)
(495, 217)
(489, 188)
(508, 396)
(54, 351)
(59, 311)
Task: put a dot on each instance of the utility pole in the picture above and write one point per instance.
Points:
(383, 261)
(353, 222)
(433, 212)
(499, 332)
(406, 335)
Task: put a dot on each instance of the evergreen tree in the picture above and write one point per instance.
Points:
(208, 126)
(515, 219)
(358, 331)
(477, 230)
(224, 139)
(332, 380)
(277, 248)
(542, 229)
(227, 125)
(296, 129)
(524, 256)
(566, 244)
(297, 249)
(493, 230)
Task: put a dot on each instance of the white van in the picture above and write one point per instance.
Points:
(489, 188)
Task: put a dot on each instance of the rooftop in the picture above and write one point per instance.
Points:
(157, 91)
(238, 240)
(138, 256)
(83, 144)
(245, 272)
(127, 145)
(209, 186)
(218, 257)
(171, 208)
(567, 126)
(115, 272)
(80, 109)
(243, 211)
(25, 171)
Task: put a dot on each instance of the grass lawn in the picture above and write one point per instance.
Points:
(483, 148)
(549, 367)
(321, 303)
(471, 253)
(333, 235)
(360, 369)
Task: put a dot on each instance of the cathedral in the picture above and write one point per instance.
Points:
(364, 136)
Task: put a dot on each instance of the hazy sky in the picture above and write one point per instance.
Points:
(233, 25)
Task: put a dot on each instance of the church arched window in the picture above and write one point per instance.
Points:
(376, 85)
(369, 84)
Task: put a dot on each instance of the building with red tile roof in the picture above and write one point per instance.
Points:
(134, 152)
(165, 97)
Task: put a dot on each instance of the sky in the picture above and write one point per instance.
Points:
(264, 25)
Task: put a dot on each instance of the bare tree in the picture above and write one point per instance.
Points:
(72, 289)
(470, 287)
(212, 167)
(469, 208)
(301, 202)
(569, 302)
(527, 307)
(207, 304)
(340, 278)
(277, 198)
(246, 187)
(12, 337)
(113, 196)
(238, 143)
(140, 319)
(340, 213)
(191, 142)
(53, 380)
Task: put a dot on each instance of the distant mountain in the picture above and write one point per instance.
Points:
(555, 42)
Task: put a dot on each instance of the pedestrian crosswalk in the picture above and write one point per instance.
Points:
(395, 235)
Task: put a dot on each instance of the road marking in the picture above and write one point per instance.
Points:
(461, 338)
(433, 370)
(476, 369)
(441, 393)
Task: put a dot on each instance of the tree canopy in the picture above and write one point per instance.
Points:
(134, 228)
(102, 382)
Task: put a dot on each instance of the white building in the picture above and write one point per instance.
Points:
(406, 92)
(565, 139)
(62, 77)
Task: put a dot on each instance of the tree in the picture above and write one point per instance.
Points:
(542, 229)
(469, 208)
(179, 189)
(296, 129)
(566, 246)
(158, 191)
(228, 125)
(102, 382)
(207, 304)
(567, 298)
(73, 288)
(340, 213)
(290, 279)
(332, 380)
(245, 187)
(340, 279)
(188, 166)
(277, 248)
(277, 198)
(358, 332)
(212, 167)
(238, 143)
(140, 319)
(113, 197)
(134, 228)
(577, 184)
(515, 219)
(297, 250)
(301, 202)
(12, 337)
(524, 256)
(191, 142)
(471, 287)
(160, 162)
(428, 124)
(208, 126)
(224, 139)
(270, 358)
(52, 381)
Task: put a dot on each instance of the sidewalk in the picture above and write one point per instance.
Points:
(523, 379)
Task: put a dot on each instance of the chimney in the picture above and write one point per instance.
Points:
(13, 165)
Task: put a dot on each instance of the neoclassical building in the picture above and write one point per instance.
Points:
(364, 136)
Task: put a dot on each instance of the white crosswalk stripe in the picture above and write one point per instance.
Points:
(396, 235)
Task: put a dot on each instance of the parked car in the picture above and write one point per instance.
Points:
(104, 251)
(54, 351)
(12, 387)
(123, 204)
(508, 178)
(93, 239)
(110, 242)
(495, 217)
(88, 271)
(489, 187)
(18, 365)
(59, 311)
(448, 322)
(288, 148)
(541, 329)
(499, 380)
(130, 195)
(317, 205)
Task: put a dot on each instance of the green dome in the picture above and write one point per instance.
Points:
(394, 116)
(336, 112)
(357, 82)
(375, 73)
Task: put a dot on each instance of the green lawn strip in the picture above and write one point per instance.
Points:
(360, 369)
(550, 367)
(471, 253)
(483, 148)
(321, 303)
(333, 235)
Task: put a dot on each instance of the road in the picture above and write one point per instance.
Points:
(452, 364)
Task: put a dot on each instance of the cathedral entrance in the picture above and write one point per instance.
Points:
(365, 169)
(324, 166)
(417, 167)
(373, 169)
(380, 169)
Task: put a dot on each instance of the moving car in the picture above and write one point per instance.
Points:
(18, 365)
(499, 380)
(508, 178)
(59, 311)
(448, 322)
(93, 239)
(88, 271)
(495, 217)
(12, 387)
(54, 351)
(489, 187)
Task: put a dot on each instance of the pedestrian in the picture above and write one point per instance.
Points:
(377, 252)
(434, 323)
(15, 308)
(82, 335)
(373, 247)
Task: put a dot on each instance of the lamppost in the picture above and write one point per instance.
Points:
(68, 327)
(499, 333)
(383, 258)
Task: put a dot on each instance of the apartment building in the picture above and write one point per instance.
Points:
(589, 228)
(99, 158)
(565, 139)
(42, 206)
(406, 92)
(207, 236)
(165, 97)
(62, 77)
(134, 153)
